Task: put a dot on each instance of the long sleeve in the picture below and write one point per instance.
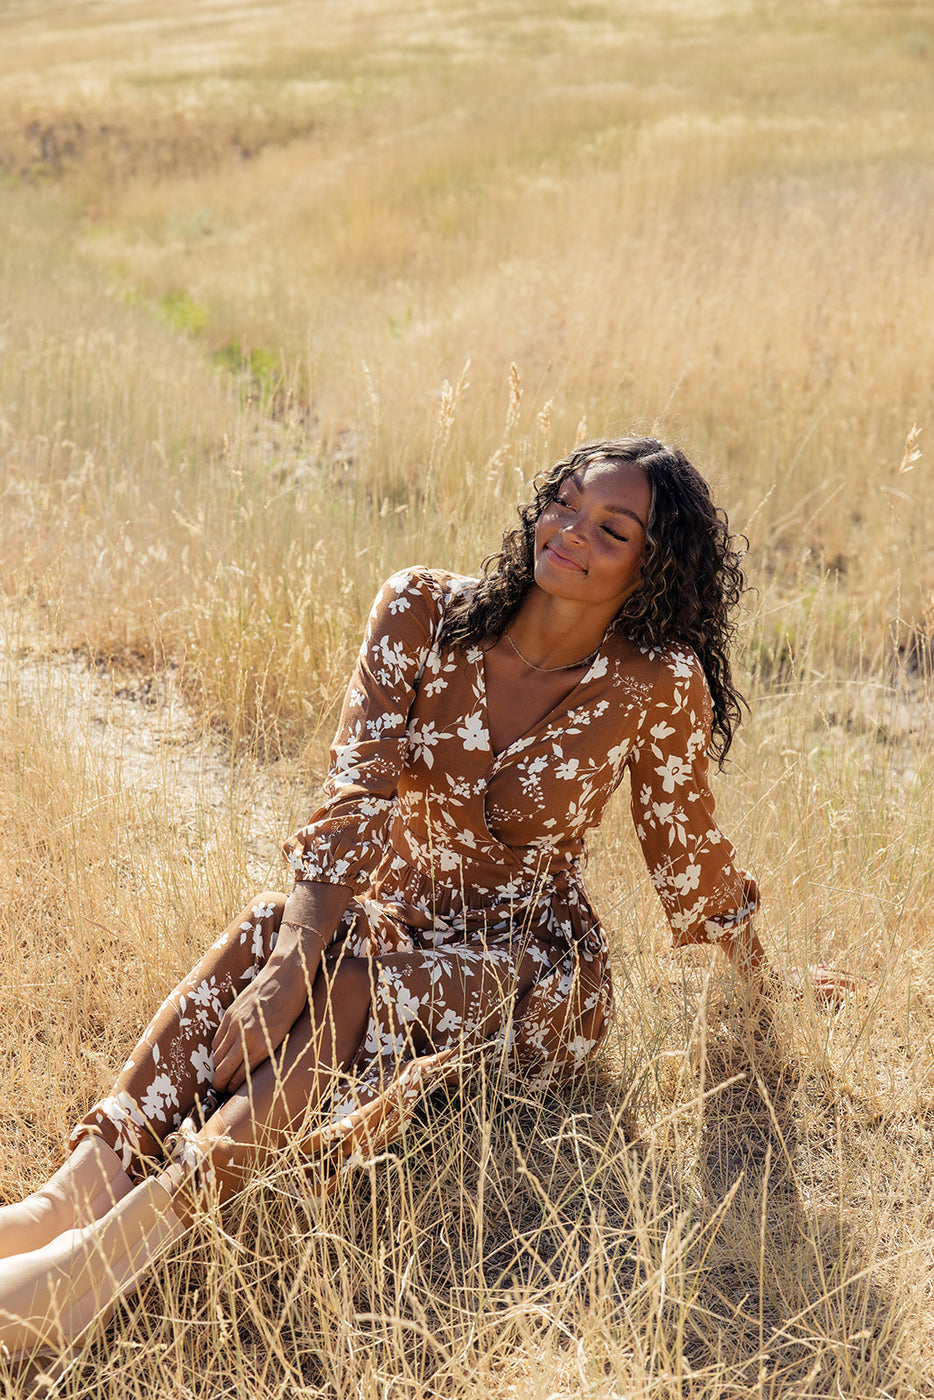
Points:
(692, 864)
(344, 840)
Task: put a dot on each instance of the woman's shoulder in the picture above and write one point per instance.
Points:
(420, 576)
(682, 687)
(664, 663)
(418, 581)
(673, 672)
(415, 596)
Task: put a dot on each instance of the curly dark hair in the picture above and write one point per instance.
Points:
(692, 576)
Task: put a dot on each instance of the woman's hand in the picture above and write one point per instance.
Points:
(828, 984)
(752, 968)
(258, 1022)
(764, 984)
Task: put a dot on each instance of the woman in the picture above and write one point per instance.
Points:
(439, 906)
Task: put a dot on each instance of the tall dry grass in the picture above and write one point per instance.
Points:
(288, 304)
(713, 1213)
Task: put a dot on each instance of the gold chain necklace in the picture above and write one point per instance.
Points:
(570, 666)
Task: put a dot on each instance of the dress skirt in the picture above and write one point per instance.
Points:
(458, 987)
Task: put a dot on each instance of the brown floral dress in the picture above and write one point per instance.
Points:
(471, 860)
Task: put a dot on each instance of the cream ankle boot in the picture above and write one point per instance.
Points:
(50, 1297)
(84, 1188)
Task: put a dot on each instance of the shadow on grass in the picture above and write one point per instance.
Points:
(513, 1235)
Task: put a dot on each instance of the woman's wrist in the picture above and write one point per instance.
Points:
(312, 913)
(746, 952)
(303, 932)
(314, 909)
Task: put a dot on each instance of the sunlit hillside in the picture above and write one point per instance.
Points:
(293, 294)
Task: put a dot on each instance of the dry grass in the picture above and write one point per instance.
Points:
(290, 299)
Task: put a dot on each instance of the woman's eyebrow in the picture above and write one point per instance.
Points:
(614, 510)
(624, 510)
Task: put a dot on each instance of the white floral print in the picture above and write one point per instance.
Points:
(473, 733)
(467, 874)
(449, 816)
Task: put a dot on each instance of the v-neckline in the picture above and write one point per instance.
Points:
(545, 718)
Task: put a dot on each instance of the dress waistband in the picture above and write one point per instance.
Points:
(520, 874)
(472, 884)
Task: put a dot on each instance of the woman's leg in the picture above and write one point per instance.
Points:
(211, 1162)
(84, 1188)
(431, 1001)
(169, 1069)
(375, 1013)
(542, 1011)
(70, 1273)
(51, 1296)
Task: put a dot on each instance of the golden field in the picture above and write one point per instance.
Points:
(291, 295)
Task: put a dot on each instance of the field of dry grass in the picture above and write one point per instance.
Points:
(291, 295)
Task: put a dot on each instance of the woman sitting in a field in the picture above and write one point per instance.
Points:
(439, 904)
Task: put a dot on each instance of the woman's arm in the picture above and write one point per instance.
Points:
(752, 968)
(347, 837)
(263, 1014)
(764, 983)
(334, 855)
(705, 894)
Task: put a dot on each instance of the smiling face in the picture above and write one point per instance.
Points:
(590, 540)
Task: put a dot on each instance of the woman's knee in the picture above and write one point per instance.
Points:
(344, 982)
(258, 924)
(342, 1001)
(238, 954)
(272, 903)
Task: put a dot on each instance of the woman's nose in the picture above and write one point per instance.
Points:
(573, 528)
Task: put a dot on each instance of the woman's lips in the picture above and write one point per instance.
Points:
(564, 561)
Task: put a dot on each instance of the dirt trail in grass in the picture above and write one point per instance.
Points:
(137, 731)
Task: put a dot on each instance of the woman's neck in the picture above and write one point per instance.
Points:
(553, 633)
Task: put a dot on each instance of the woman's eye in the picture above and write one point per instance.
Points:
(613, 535)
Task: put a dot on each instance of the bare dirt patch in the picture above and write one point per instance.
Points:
(137, 730)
